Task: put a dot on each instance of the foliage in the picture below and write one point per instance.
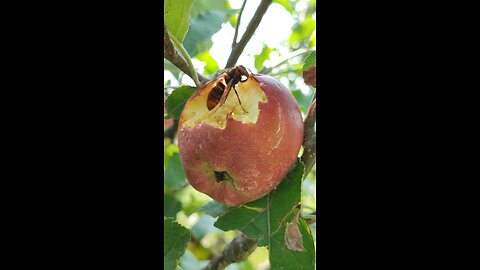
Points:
(198, 228)
(176, 240)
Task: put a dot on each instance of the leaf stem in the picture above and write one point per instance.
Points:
(185, 55)
(174, 58)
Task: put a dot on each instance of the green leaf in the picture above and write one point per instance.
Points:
(177, 15)
(176, 238)
(302, 31)
(302, 99)
(251, 222)
(201, 6)
(176, 101)
(264, 217)
(310, 61)
(211, 65)
(260, 58)
(285, 3)
(281, 256)
(215, 209)
(174, 174)
(203, 27)
(171, 206)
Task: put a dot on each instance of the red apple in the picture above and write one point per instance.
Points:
(236, 156)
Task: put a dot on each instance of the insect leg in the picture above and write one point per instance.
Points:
(234, 89)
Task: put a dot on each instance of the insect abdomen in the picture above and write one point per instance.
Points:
(214, 96)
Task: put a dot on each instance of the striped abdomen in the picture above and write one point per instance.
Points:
(215, 95)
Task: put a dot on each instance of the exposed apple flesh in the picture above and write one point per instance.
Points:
(235, 156)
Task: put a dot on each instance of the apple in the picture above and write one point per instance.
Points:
(238, 156)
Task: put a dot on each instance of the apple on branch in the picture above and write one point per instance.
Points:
(239, 153)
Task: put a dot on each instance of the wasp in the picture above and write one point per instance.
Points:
(220, 92)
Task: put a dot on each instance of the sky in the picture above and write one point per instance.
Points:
(272, 31)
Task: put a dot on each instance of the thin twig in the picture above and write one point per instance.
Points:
(172, 55)
(234, 43)
(285, 59)
(236, 251)
(252, 26)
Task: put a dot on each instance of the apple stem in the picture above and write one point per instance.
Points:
(185, 55)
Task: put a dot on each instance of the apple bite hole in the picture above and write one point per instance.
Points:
(249, 92)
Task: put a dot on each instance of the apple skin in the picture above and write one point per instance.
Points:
(257, 156)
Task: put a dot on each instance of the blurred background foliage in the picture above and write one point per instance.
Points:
(208, 42)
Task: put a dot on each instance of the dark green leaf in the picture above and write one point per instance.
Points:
(260, 58)
(171, 206)
(174, 174)
(177, 14)
(176, 238)
(215, 209)
(251, 222)
(264, 217)
(310, 61)
(282, 257)
(176, 101)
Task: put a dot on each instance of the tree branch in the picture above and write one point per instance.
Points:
(252, 26)
(170, 53)
(309, 156)
(294, 54)
(236, 251)
(242, 246)
(234, 43)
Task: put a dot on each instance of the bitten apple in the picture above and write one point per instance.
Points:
(237, 156)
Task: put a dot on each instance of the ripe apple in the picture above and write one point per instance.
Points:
(236, 156)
